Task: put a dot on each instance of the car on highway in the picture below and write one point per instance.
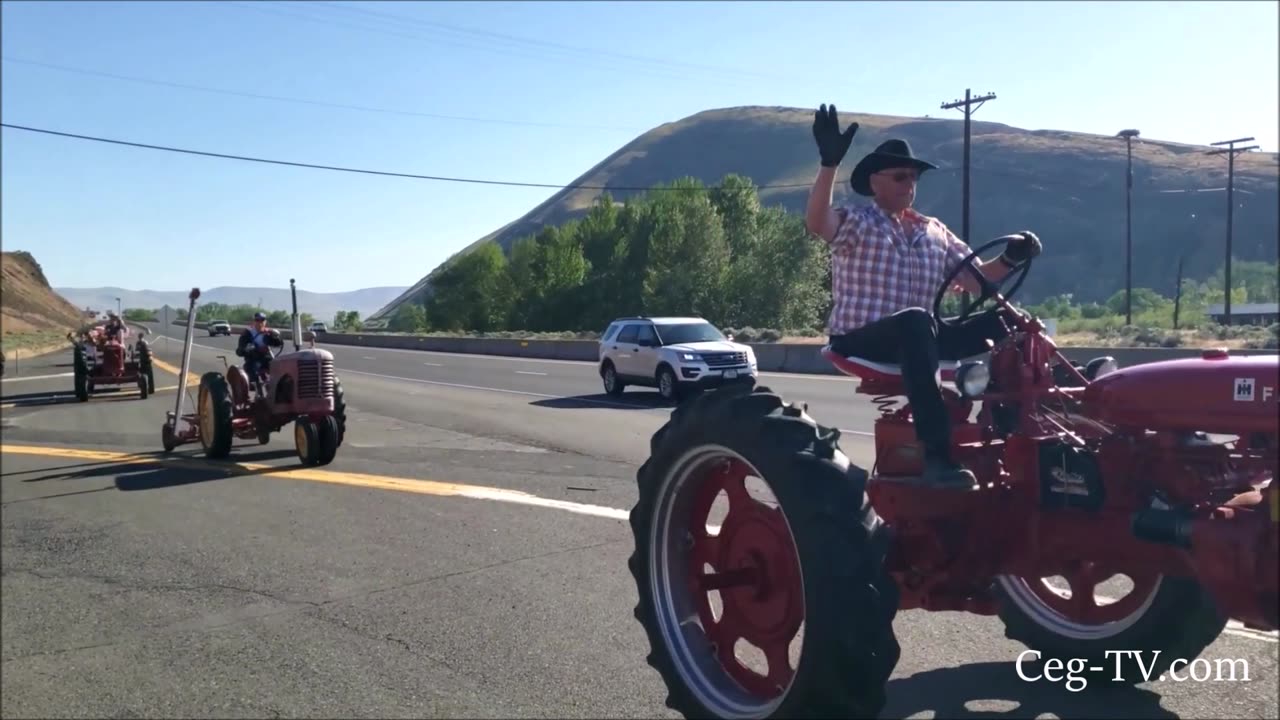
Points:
(219, 327)
(673, 354)
(318, 327)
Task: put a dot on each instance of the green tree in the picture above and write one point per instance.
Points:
(139, 315)
(737, 202)
(346, 321)
(408, 318)
(1144, 300)
(778, 280)
(471, 292)
(688, 255)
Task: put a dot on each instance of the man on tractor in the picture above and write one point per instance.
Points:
(115, 328)
(255, 347)
(887, 262)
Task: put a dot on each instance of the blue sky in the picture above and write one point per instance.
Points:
(96, 214)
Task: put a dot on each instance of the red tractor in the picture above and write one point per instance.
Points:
(1163, 472)
(301, 387)
(101, 359)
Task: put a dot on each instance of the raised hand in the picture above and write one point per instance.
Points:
(832, 144)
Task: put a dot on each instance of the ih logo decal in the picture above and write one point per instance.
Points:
(1244, 389)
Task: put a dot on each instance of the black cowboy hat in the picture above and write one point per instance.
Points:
(889, 154)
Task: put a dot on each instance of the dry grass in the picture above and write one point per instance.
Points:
(27, 304)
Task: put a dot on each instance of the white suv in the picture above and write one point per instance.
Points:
(672, 354)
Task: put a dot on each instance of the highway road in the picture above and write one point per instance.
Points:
(464, 556)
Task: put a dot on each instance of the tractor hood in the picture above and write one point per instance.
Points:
(710, 346)
(1214, 393)
(307, 355)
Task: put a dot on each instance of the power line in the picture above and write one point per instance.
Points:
(417, 35)
(304, 101)
(440, 178)
(538, 43)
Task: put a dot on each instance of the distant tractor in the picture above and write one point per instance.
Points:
(100, 359)
(301, 387)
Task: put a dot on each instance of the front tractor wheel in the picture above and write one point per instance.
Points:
(723, 601)
(215, 413)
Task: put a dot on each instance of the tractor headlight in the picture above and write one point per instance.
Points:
(972, 378)
(1098, 367)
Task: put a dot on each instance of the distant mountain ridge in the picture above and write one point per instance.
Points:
(322, 306)
(1067, 186)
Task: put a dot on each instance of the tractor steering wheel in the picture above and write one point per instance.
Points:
(990, 290)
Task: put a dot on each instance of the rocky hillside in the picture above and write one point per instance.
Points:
(27, 303)
(1067, 186)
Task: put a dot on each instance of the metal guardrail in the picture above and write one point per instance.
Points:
(771, 357)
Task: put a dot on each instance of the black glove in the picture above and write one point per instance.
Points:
(832, 144)
(1021, 247)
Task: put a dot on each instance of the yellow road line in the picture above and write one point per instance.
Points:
(379, 482)
(193, 379)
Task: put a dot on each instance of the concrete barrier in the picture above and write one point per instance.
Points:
(771, 357)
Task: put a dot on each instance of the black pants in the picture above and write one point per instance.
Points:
(254, 365)
(912, 339)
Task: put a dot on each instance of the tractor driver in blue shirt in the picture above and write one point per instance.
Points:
(254, 347)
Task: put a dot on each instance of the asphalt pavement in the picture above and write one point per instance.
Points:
(464, 556)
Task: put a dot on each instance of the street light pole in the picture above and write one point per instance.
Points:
(1231, 150)
(1128, 136)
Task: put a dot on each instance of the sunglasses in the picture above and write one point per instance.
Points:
(901, 176)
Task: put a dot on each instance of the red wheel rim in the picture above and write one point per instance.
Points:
(754, 569)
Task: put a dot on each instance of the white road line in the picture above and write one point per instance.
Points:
(528, 372)
(37, 377)
(433, 364)
(504, 390)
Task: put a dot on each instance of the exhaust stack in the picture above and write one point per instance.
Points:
(186, 358)
(297, 322)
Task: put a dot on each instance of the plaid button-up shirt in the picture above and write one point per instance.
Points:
(880, 265)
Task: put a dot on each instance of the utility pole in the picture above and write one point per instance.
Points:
(1231, 150)
(968, 110)
(1128, 136)
(1177, 293)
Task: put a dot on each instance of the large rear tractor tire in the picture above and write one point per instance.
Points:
(816, 556)
(1173, 616)
(215, 409)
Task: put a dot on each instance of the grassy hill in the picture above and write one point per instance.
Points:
(1067, 186)
(33, 318)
